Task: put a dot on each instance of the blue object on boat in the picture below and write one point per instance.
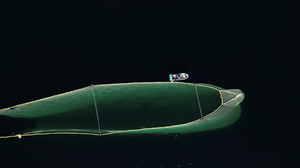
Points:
(178, 77)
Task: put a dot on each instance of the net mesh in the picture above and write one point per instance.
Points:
(152, 107)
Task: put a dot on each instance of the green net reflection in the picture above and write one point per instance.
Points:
(152, 107)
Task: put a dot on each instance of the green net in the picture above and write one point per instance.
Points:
(151, 107)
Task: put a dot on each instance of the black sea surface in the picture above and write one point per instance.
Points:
(49, 48)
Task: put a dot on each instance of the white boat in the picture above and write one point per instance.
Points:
(178, 77)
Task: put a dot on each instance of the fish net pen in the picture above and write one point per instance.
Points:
(145, 107)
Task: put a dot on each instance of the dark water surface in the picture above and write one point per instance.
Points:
(49, 48)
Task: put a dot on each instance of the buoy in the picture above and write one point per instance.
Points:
(19, 136)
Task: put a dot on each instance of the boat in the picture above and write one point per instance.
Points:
(178, 77)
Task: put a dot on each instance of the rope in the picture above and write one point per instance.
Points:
(96, 110)
(198, 101)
